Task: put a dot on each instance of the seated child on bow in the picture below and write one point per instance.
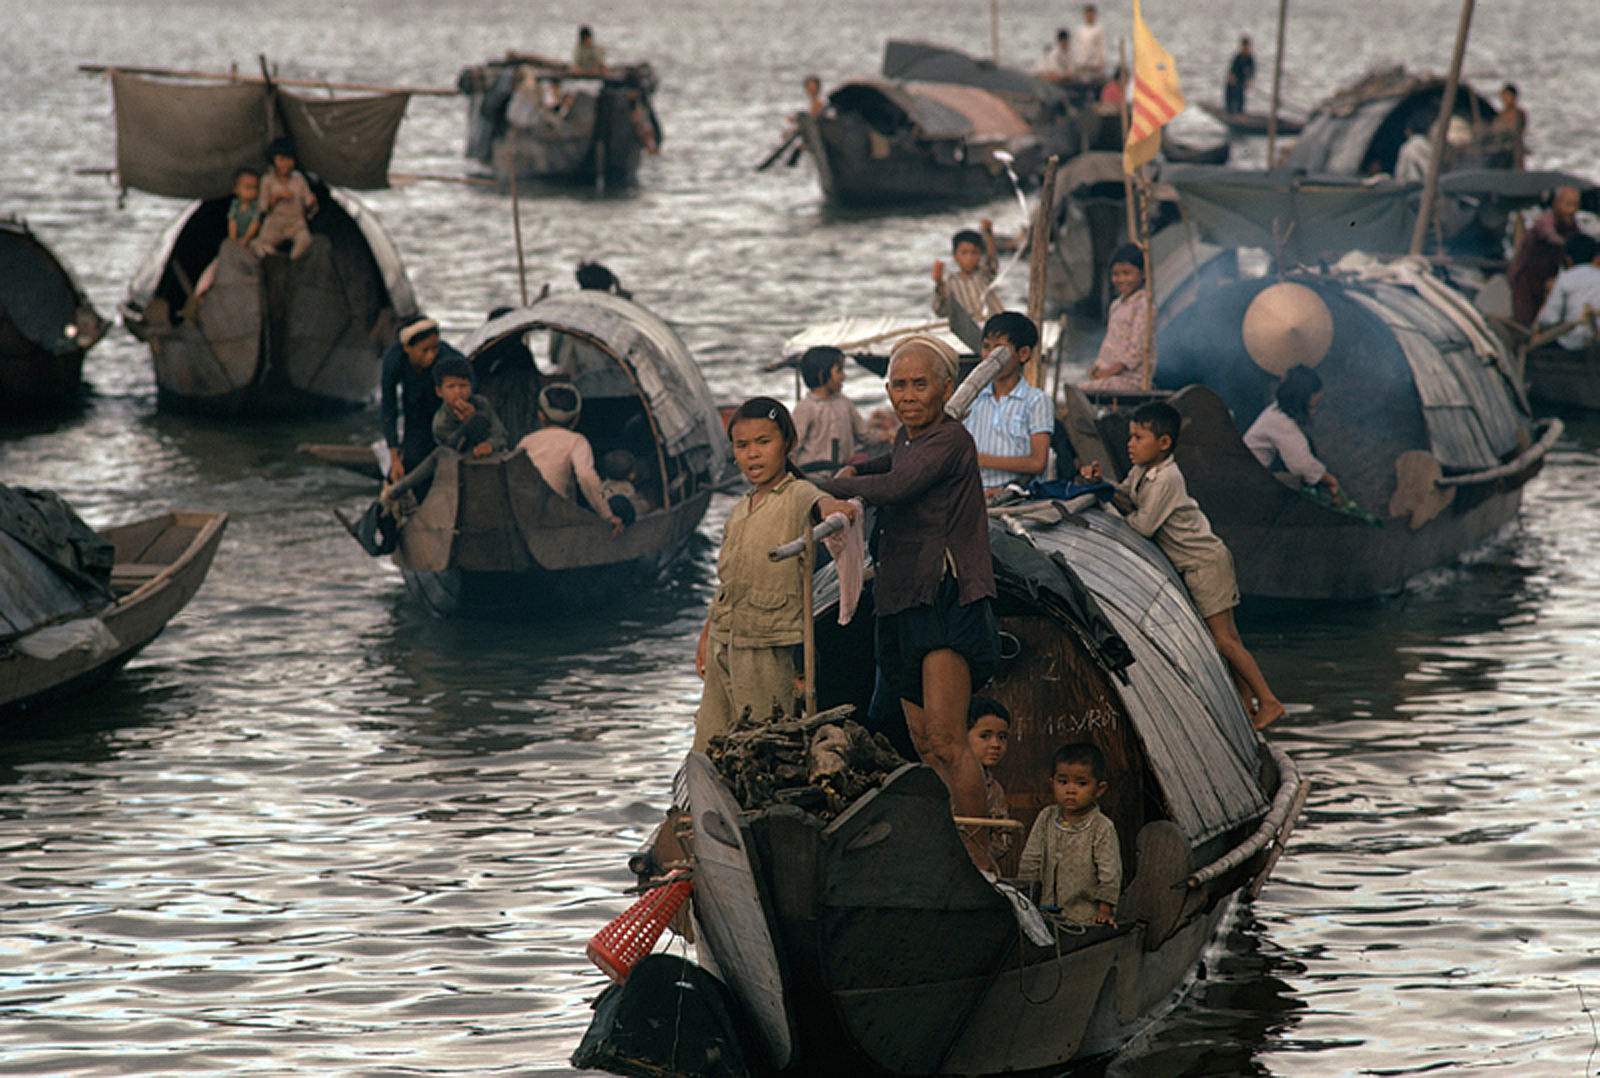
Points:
(989, 734)
(465, 420)
(1072, 849)
(617, 471)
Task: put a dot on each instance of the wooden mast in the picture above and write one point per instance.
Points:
(1447, 106)
(1277, 86)
(1038, 253)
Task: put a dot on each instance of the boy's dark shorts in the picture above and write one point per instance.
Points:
(902, 640)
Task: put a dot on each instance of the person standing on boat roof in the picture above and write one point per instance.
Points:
(1279, 432)
(1540, 253)
(1011, 421)
(287, 202)
(588, 58)
(936, 636)
(1057, 63)
(1510, 127)
(407, 399)
(1575, 295)
(563, 456)
(1241, 73)
(1089, 47)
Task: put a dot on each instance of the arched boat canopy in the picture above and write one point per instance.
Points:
(937, 110)
(40, 295)
(681, 409)
(922, 62)
(1359, 130)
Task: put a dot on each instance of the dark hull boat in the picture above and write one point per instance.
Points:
(868, 944)
(490, 535)
(1422, 421)
(544, 123)
(1252, 123)
(77, 605)
(1564, 377)
(47, 324)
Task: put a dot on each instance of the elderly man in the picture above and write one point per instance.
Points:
(936, 634)
(1539, 255)
(406, 390)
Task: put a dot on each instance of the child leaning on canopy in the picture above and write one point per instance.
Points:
(1155, 500)
(746, 650)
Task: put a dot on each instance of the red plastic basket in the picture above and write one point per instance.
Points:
(620, 944)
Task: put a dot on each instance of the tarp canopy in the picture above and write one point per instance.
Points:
(1515, 186)
(1329, 214)
(922, 62)
(936, 110)
(186, 140)
(53, 566)
(1359, 129)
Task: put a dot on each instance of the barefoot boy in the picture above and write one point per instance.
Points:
(1156, 502)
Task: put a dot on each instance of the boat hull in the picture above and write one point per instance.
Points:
(854, 174)
(46, 326)
(1564, 378)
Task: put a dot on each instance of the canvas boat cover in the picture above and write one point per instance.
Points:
(877, 335)
(40, 296)
(922, 62)
(937, 110)
(1330, 214)
(53, 566)
(654, 356)
(1340, 135)
(185, 140)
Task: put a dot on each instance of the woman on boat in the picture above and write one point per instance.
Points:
(1125, 361)
(1279, 432)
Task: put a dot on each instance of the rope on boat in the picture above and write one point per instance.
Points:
(1282, 803)
(1523, 460)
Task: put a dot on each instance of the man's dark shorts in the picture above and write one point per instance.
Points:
(905, 638)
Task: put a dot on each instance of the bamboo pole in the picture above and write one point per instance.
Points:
(1148, 367)
(1127, 122)
(808, 630)
(516, 222)
(1038, 252)
(1277, 85)
(1430, 190)
(234, 76)
(994, 30)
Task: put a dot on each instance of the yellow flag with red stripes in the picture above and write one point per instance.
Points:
(1156, 96)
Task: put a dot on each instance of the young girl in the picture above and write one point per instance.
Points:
(746, 650)
(286, 203)
(1124, 362)
(989, 735)
(244, 221)
(1279, 432)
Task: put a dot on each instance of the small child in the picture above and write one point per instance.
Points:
(1125, 360)
(465, 420)
(1156, 502)
(746, 650)
(827, 424)
(1072, 848)
(286, 202)
(978, 260)
(244, 221)
(989, 734)
(617, 470)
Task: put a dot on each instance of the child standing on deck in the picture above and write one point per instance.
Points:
(746, 650)
(1156, 502)
(1072, 849)
(827, 424)
(972, 288)
(989, 735)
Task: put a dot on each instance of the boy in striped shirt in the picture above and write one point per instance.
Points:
(977, 259)
(1011, 421)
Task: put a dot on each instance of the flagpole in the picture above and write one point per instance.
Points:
(1124, 111)
(1148, 367)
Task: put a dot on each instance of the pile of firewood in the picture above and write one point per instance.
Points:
(820, 764)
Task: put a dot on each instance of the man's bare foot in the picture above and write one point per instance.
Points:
(1267, 714)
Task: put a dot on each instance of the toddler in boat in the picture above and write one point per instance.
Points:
(1072, 849)
(286, 202)
(989, 735)
(746, 650)
(244, 221)
(1156, 502)
(465, 420)
(617, 471)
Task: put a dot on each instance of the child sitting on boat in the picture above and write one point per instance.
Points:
(1125, 361)
(1278, 436)
(1072, 849)
(829, 427)
(618, 468)
(1155, 500)
(286, 202)
(563, 456)
(465, 420)
(972, 288)
(244, 221)
(746, 651)
(989, 735)
(936, 634)
(1011, 421)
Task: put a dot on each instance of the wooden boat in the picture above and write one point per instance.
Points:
(1422, 421)
(65, 626)
(1252, 123)
(1192, 151)
(1358, 131)
(868, 944)
(47, 324)
(274, 336)
(542, 121)
(491, 535)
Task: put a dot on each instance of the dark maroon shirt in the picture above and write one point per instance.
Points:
(930, 500)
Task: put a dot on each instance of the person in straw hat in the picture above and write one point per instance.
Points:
(936, 636)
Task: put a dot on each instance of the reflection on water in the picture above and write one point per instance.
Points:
(312, 830)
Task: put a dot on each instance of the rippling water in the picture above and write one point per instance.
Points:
(311, 830)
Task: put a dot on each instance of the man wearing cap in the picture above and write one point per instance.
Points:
(563, 456)
(406, 389)
(936, 636)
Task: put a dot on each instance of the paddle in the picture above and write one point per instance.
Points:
(772, 158)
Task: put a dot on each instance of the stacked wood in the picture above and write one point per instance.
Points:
(821, 763)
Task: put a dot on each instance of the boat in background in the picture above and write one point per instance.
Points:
(47, 324)
(538, 119)
(1252, 123)
(491, 536)
(76, 604)
(274, 336)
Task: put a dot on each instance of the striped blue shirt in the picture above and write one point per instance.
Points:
(1004, 427)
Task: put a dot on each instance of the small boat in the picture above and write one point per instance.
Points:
(274, 336)
(1188, 150)
(866, 943)
(1422, 421)
(1252, 123)
(491, 536)
(1564, 377)
(1358, 131)
(78, 604)
(540, 120)
(47, 324)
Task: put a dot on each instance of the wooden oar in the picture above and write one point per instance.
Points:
(777, 152)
